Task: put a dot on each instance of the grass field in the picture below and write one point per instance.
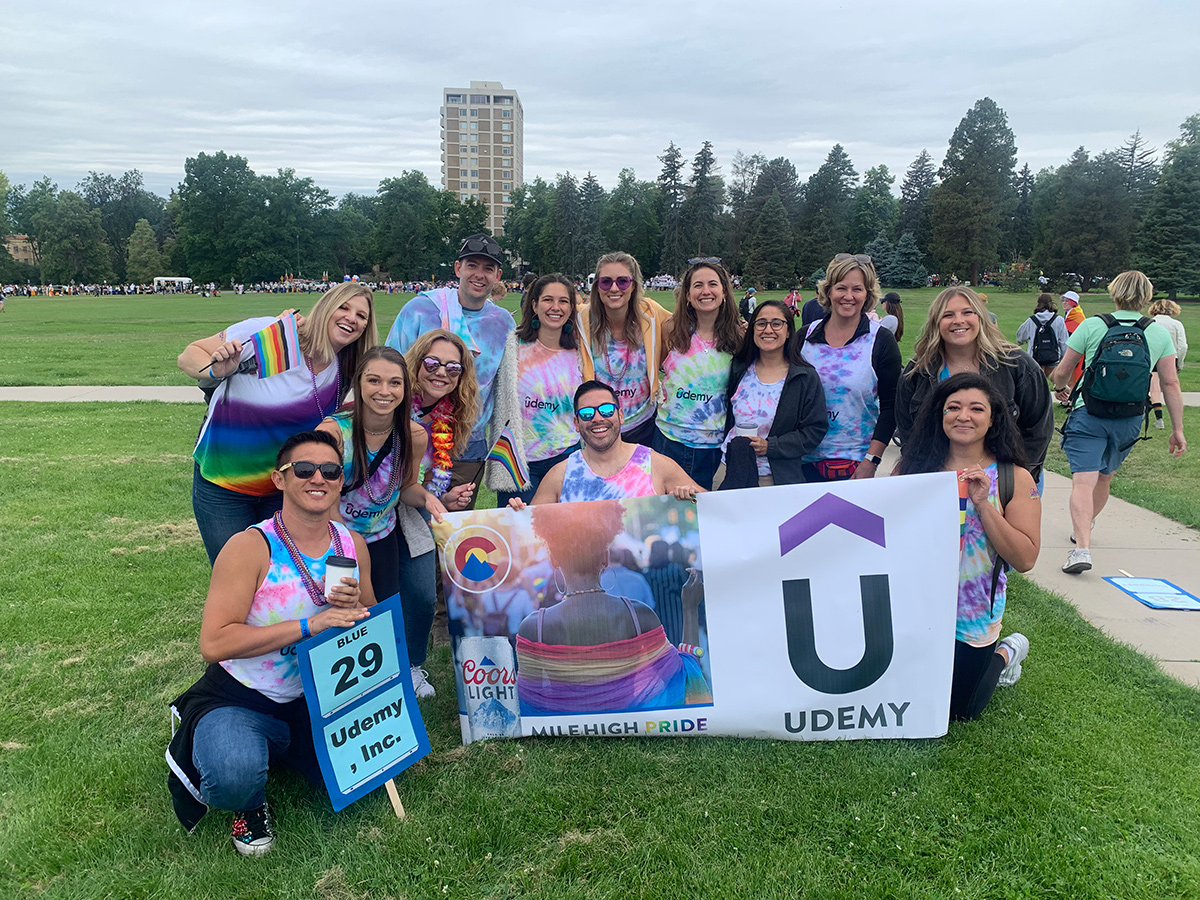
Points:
(134, 340)
(1078, 783)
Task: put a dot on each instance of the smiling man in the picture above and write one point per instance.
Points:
(607, 467)
(468, 312)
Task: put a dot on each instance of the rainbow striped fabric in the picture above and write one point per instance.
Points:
(277, 347)
(504, 452)
(962, 511)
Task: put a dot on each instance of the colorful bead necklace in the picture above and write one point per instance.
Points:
(393, 479)
(316, 592)
(442, 439)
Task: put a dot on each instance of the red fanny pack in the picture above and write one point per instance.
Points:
(836, 469)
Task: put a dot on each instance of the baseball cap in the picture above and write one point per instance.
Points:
(481, 245)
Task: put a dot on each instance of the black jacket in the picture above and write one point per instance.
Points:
(1023, 385)
(800, 419)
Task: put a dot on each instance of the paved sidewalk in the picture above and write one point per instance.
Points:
(1126, 537)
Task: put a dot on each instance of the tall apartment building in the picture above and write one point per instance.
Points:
(483, 146)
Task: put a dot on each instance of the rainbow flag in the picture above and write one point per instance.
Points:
(504, 452)
(962, 512)
(277, 347)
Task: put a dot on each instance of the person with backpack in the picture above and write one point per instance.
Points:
(1044, 334)
(1110, 402)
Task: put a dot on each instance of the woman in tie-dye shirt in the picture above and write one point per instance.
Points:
(535, 385)
(702, 337)
(965, 426)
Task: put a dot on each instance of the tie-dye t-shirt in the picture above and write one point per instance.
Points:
(851, 394)
(691, 405)
(371, 519)
(282, 598)
(581, 483)
(546, 383)
(483, 331)
(754, 403)
(978, 621)
(249, 417)
(623, 368)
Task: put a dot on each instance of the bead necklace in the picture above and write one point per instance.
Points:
(317, 394)
(616, 378)
(583, 591)
(393, 480)
(316, 592)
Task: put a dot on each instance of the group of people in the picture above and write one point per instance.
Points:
(605, 399)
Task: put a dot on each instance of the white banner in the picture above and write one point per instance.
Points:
(828, 613)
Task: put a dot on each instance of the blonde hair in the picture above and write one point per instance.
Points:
(314, 333)
(992, 348)
(1164, 307)
(464, 399)
(837, 270)
(598, 323)
(1131, 290)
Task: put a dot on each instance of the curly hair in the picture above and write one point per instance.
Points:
(992, 348)
(928, 446)
(579, 543)
(728, 329)
(599, 322)
(465, 397)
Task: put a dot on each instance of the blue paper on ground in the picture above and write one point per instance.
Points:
(1157, 593)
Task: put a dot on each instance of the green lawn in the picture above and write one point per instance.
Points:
(134, 340)
(1078, 783)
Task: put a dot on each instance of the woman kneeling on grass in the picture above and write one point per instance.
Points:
(965, 426)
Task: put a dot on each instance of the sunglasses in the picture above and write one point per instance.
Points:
(480, 246)
(305, 470)
(622, 283)
(697, 260)
(587, 413)
(857, 257)
(432, 364)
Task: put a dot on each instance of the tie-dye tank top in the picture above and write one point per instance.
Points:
(282, 598)
(546, 383)
(851, 394)
(249, 418)
(978, 620)
(634, 480)
(370, 519)
(691, 404)
(623, 368)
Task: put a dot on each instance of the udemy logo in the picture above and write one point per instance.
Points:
(798, 607)
(477, 558)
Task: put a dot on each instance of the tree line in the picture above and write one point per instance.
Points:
(975, 213)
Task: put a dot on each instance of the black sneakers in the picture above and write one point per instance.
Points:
(253, 833)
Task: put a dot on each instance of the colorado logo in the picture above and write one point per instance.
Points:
(477, 558)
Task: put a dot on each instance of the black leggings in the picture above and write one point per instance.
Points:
(976, 672)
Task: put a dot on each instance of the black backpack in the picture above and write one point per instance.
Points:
(1044, 348)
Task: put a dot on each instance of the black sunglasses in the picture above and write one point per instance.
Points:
(587, 413)
(432, 364)
(481, 246)
(305, 470)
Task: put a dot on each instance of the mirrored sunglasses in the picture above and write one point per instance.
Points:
(587, 413)
(622, 283)
(432, 364)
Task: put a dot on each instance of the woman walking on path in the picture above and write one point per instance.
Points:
(1165, 313)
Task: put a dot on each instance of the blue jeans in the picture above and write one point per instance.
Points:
(222, 513)
(233, 747)
(700, 463)
(537, 471)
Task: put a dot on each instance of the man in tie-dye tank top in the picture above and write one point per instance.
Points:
(607, 467)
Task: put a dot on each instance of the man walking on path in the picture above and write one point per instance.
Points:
(1096, 443)
(468, 312)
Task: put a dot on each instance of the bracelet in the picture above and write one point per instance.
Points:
(210, 372)
(304, 632)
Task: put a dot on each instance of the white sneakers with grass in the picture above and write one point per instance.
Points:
(1018, 649)
(1078, 560)
(421, 686)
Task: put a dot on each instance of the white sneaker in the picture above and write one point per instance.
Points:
(1018, 649)
(421, 686)
(1078, 560)
(1158, 423)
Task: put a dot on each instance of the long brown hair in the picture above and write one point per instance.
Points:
(401, 417)
(728, 327)
(464, 399)
(633, 313)
(992, 348)
(527, 333)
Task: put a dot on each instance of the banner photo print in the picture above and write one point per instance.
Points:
(804, 612)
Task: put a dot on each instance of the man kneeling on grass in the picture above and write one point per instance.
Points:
(267, 593)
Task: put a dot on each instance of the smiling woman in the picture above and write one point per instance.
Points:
(249, 417)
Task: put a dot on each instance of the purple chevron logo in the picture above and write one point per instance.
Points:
(830, 510)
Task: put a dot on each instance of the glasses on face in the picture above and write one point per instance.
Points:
(304, 470)
(773, 324)
(587, 413)
(607, 283)
(431, 364)
(857, 257)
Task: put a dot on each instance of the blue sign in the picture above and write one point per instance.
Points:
(365, 721)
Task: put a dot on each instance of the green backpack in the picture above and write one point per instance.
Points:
(1116, 384)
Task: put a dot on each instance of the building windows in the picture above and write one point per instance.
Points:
(474, 149)
(474, 173)
(505, 101)
(506, 138)
(474, 126)
(481, 99)
(466, 197)
(507, 187)
(461, 113)
(474, 138)
(504, 197)
(506, 113)
(454, 98)
(506, 151)
(475, 185)
(462, 161)
(506, 126)
(474, 112)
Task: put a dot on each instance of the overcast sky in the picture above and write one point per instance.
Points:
(348, 93)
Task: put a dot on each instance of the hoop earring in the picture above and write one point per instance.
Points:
(535, 323)
(613, 575)
(560, 580)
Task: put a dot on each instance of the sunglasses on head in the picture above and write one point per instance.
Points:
(587, 413)
(432, 364)
(479, 245)
(857, 257)
(305, 470)
(697, 260)
(622, 283)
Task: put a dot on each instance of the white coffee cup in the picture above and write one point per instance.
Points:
(337, 567)
(746, 430)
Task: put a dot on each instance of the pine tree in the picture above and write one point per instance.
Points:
(875, 209)
(906, 270)
(969, 208)
(144, 262)
(914, 200)
(591, 213)
(1169, 244)
(825, 221)
(1141, 172)
(880, 250)
(702, 205)
(1018, 237)
(671, 194)
(567, 236)
(769, 261)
